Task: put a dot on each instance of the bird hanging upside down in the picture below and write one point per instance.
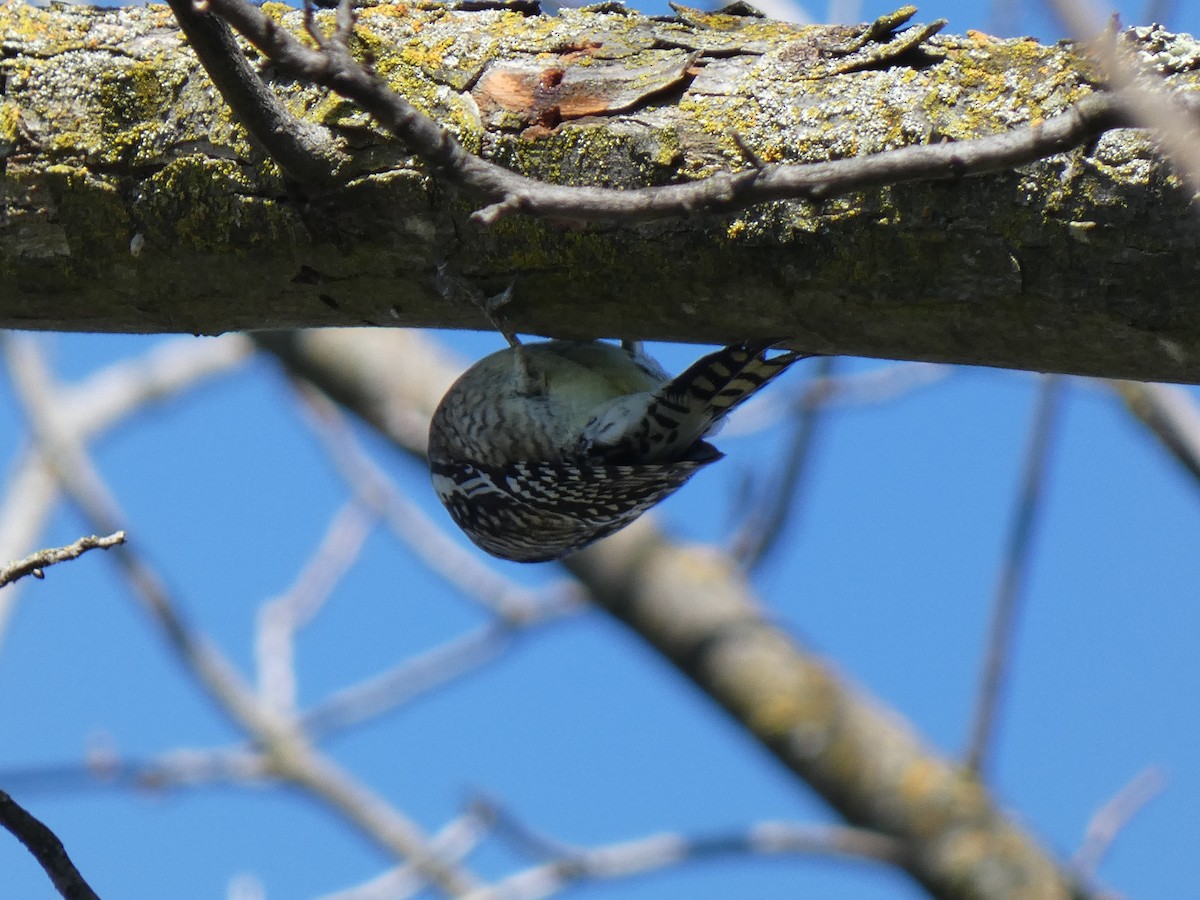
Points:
(540, 449)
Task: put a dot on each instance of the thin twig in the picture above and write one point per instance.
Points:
(46, 848)
(182, 768)
(506, 192)
(1171, 414)
(1110, 819)
(1013, 569)
(455, 842)
(281, 617)
(662, 851)
(34, 563)
(762, 530)
(419, 675)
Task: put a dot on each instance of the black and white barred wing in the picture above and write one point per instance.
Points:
(539, 511)
(668, 422)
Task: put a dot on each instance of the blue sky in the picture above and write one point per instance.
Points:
(887, 569)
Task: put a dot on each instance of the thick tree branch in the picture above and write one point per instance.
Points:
(144, 207)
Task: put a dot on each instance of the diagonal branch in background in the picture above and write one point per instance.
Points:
(1171, 414)
(91, 407)
(455, 842)
(692, 606)
(280, 618)
(289, 754)
(1013, 571)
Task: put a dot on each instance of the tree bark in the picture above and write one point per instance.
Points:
(132, 201)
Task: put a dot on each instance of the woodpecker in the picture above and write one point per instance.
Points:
(542, 448)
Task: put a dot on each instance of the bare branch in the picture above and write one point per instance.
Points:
(182, 768)
(764, 526)
(281, 617)
(455, 842)
(1113, 816)
(46, 848)
(34, 563)
(305, 151)
(422, 673)
(662, 851)
(1012, 573)
(98, 403)
(1170, 414)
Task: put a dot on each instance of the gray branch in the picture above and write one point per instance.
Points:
(36, 562)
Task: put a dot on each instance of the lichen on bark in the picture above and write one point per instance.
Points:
(1047, 267)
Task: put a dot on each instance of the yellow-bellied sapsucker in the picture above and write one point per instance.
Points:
(540, 449)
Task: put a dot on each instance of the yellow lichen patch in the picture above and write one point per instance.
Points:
(10, 127)
(199, 202)
(277, 11)
(428, 56)
(333, 111)
(130, 95)
(385, 10)
(38, 27)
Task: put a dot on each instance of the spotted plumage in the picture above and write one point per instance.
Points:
(540, 449)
